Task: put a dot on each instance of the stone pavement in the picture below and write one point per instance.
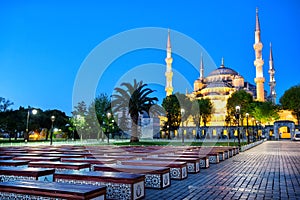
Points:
(268, 171)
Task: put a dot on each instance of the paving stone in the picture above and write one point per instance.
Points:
(268, 171)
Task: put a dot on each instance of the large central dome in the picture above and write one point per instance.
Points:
(223, 71)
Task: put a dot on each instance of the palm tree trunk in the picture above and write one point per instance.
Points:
(134, 134)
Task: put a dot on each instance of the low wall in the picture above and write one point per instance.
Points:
(249, 146)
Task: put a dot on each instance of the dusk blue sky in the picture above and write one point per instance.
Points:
(44, 43)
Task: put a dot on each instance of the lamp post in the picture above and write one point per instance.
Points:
(51, 133)
(34, 112)
(108, 115)
(182, 132)
(237, 116)
(256, 124)
(248, 136)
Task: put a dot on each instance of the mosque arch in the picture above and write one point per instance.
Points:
(283, 123)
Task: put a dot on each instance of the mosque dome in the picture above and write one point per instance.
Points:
(223, 71)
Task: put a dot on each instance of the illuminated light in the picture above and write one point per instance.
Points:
(34, 111)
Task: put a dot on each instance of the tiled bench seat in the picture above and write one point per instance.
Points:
(14, 163)
(6, 157)
(119, 185)
(178, 170)
(33, 158)
(203, 160)
(92, 161)
(213, 157)
(193, 164)
(155, 177)
(119, 159)
(61, 166)
(24, 190)
(64, 155)
(16, 173)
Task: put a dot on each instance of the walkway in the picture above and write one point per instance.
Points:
(268, 171)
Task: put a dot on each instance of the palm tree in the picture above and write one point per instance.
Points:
(135, 100)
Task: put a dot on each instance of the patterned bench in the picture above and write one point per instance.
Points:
(213, 157)
(6, 157)
(24, 190)
(203, 160)
(178, 170)
(64, 155)
(193, 164)
(32, 158)
(92, 161)
(119, 159)
(61, 166)
(119, 185)
(155, 177)
(14, 163)
(15, 173)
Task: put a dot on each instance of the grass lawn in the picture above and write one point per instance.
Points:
(177, 143)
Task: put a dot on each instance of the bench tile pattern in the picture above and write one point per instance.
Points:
(6, 178)
(152, 180)
(14, 196)
(113, 190)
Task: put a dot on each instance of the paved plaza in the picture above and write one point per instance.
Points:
(268, 171)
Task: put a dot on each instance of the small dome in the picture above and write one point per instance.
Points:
(197, 81)
(223, 71)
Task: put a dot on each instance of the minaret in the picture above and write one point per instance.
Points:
(169, 73)
(258, 63)
(272, 82)
(201, 68)
(222, 63)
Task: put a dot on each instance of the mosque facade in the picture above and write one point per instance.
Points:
(219, 85)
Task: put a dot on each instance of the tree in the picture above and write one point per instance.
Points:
(291, 101)
(5, 104)
(265, 111)
(102, 107)
(135, 99)
(239, 98)
(172, 109)
(185, 105)
(79, 118)
(202, 110)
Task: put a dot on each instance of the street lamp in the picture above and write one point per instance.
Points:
(108, 115)
(237, 116)
(34, 112)
(182, 132)
(253, 132)
(256, 124)
(248, 136)
(51, 133)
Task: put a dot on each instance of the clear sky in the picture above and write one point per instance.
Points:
(43, 44)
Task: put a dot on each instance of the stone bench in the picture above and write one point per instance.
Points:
(61, 166)
(203, 160)
(30, 158)
(119, 159)
(63, 155)
(119, 185)
(23, 154)
(193, 164)
(14, 163)
(213, 157)
(178, 170)
(92, 161)
(6, 157)
(50, 190)
(16, 173)
(155, 177)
